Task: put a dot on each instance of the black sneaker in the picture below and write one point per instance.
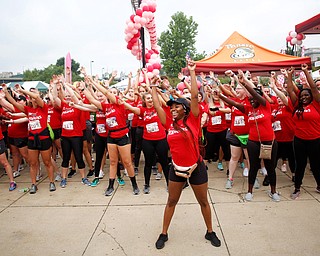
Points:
(90, 173)
(33, 189)
(212, 237)
(266, 181)
(135, 190)
(71, 173)
(161, 240)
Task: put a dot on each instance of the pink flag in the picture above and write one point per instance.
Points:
(67, 68)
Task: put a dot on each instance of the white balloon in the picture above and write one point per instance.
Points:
(299, 42)
(130, 25)
(150, 75)
(137, 19)
(154, 56)
(134, 31)
(137, 26)
(156, 72)
(143, 21)
(293, 34)
(294, 40)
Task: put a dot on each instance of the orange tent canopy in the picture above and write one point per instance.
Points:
(237, 52)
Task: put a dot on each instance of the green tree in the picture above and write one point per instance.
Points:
(46, 74)
(176, 42)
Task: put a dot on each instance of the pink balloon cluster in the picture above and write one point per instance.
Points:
(144, 18)
(294, 38)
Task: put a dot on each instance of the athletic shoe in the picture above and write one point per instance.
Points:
(229, 184)
(161, 241)
(135, 190)
(246, 172)
(220, 166)
(71, 173)
(58, 177)
(284, 168)
(90, 173)
(242, 165)
(120, 181)
(275, 196)
(109, 192)
(125, 172)
(101, 174)
(33, 189)
(16, 174)
(95, 182)
(256, 184)
(146, 189)
(52, 187)
(39, 176)
(21, 167)
(212, 237)
(63, 183)
(263, 171)
(295, 194)
(154, 170)
(159, 176)
(12, 186)
(266, 181)
(248, 197)
(85, 181)
(136, 171)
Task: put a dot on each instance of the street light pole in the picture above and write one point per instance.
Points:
(91, 67)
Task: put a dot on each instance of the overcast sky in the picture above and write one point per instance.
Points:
(35, 33)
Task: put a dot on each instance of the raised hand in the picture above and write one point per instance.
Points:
(180, 76)
(304, 67)
(284, 72)
(191, 65)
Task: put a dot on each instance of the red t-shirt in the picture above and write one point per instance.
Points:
(101, 127)
(18, 130)
(37, 120)
(3, 113)
(184, 147)
(130, 115)
(71, 123)
(115, 119)
(239, 120)
(275, 104)
(282, 123)
(153, 129)
(308, 125)
(262, 115)
(216, 123)
(54, 117)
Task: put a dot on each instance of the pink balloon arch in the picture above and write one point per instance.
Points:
(144, 17)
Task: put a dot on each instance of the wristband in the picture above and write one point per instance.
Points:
(182, 80)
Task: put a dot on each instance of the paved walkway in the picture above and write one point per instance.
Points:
(80, 220)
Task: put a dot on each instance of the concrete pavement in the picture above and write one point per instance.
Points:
(80, 220)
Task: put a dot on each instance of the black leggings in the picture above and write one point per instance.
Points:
(214, 141)
(285, 150)
(133, 139)
(138, 148)
(253, 148)
(69, 144)
(304, 149)
(101, 145)
(151, 148)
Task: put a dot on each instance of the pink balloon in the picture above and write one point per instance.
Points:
(304, 36)
(152, 8)
(130, 26)
(137, 19)
(149, 68)
(300, 36)
(132, 17)
(145, 8)
(143, 21)
(288, 38)
(148, 55)
(299, 42)
(181, 86)
(156, 66)
(150, 75)
(139, 12)
(137, 26)
(156, 72)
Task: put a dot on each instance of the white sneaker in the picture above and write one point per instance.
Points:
(263, 171)
(101, 174)
(256, 184)
(159, 176)
(21, 167)
(284, 168)
(246, 172)
(125, 172)
(275, 196)
(248, 197)
(39, 177)
(58, 177)
(16, 174)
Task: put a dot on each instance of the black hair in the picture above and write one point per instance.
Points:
(299, 109)
(259, 91)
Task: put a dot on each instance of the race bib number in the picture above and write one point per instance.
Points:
(91, 117)
(101, 128)
(239, 121)
(276, 126)
(48, 119)
(215, 120)
(67, 125)
(153, 127)
(34, 125)
(112, 122)
(130, 116)
(228, 116)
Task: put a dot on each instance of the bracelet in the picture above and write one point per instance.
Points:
(182, 80)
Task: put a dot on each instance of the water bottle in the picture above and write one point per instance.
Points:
(24, 190)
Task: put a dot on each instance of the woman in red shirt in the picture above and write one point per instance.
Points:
(306, 115)
(154, 141)
(183, 131)
(39, 141)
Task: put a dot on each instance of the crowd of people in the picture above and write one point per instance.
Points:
(233, 122)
